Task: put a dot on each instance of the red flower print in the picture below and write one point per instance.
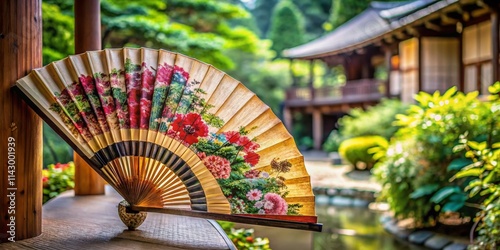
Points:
(247, 144)
(164, 74)
(133, 83)
(232, 136)
(182, 72)
(147, 78)
(189, 127)
(87, 83)
(202, 155)
(167, 113)
(250, 174)
(218, 166)
(252, 158)
(145, 112)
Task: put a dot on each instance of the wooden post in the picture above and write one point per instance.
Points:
(317, 120)
(87, 37)
(292, 75)
(20, 128)
(288, 118)
(388, 57)
(311, 78)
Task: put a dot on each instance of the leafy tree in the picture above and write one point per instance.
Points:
(58, 30)
(287, 27)
(196, 28)
(262, 13)
(315, 14)
(343, 10)
(268, 79)
(376, 120)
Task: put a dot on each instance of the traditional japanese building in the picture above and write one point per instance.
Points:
(423, 45)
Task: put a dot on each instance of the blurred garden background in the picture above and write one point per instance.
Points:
(434, 156)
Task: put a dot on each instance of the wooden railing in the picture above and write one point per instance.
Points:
(357, 89)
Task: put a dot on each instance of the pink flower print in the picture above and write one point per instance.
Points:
(164, 74)
(275, 204)
(218, 166)
(254, 195)
(250, 174)
(259, 204)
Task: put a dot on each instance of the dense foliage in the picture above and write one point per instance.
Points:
(244, 239)
(484, 172)
(375, 120)
(56, 179)
(287, 22)
(420, 160)
(315, 13)
(343, 10)
(357, 150)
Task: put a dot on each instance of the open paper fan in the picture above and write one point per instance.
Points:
(173, 134)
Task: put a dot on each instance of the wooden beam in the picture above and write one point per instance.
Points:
(87, 37)
(461, 78)
(430, 25)
(20, 129)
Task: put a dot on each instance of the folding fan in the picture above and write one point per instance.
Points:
(175, 135)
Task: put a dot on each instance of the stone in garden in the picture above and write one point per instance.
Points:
(392, 228)
(456, 246)
(348, 192)
(437, 242)
(331, 191)
(322, 199)
(419, 237)
(360, 203)
(341, 201)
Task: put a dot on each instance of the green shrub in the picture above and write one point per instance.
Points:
(244, 239)
(376, 120)
(483, 172)
(333, 141)
(57, 179)
(433, 126)
(397, 172)
(356, 150)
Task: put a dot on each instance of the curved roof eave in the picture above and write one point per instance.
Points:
(328, 45)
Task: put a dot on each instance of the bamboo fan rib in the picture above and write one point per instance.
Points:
(169, 132)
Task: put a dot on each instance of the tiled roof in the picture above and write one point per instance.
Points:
(378, 19)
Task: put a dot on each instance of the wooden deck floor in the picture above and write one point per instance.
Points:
(92, 222)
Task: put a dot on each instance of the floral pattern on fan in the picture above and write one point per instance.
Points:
(168, 101)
